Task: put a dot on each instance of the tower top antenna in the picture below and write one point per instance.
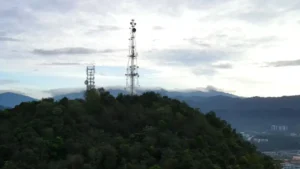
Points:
(132, 68)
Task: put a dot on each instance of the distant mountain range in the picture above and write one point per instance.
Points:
(255, 113)
(10, 99)
(173, 94)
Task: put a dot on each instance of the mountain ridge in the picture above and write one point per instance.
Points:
(10, 99)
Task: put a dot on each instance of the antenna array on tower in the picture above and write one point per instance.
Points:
(132, 73)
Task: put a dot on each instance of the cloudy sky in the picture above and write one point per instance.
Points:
(245, 47)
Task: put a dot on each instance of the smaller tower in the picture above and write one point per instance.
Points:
(90, 77)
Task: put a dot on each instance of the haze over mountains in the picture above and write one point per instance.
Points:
(255, 113)
(12, 98)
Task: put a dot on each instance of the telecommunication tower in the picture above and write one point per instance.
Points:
(132, 68)
(90, 77)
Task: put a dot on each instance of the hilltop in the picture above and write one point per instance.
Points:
(140, 132)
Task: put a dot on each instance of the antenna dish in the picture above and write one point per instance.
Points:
(85, 82)
(133, 29)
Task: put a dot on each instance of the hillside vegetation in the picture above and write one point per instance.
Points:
(103, 132)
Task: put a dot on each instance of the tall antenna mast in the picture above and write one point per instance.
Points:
(90, 77)
(132, 73)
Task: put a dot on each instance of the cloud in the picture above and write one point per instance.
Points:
(209, 88)
(64, 51)
(8, 39)
(108, 28)
(210, 70)
(157, 28)
(7, 81)
(187, 57)
(258, 16)
(231, 43)
(101, 74)
(198, 42)
(73, 51)
(62, 64)
(250, 11)
(217, 34)
(223, 66)
(284, 63)
(204, 71)
(103, 28)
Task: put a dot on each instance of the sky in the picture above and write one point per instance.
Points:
(244, 47)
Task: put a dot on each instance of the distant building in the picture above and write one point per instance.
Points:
(290, 166)
(279, 128)
(296, 159)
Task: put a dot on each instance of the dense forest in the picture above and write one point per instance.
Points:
(127, 132)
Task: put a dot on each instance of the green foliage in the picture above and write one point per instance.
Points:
(127, 132)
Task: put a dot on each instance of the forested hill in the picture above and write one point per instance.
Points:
(140, 132)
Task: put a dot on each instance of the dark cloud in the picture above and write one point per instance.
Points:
(73, 51)
(15, 13)
(223, 66)
(108, 28)
(213, 88)
(198, 42)
(186, 57)
(236, 43)
(157, 28)
(64, 51)
(8, 39)
(111, 50)
(62, 64)
(209, 70)
(15, 17)
(7, 81)
(284, 63)
(201, 61)
(103, 28)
